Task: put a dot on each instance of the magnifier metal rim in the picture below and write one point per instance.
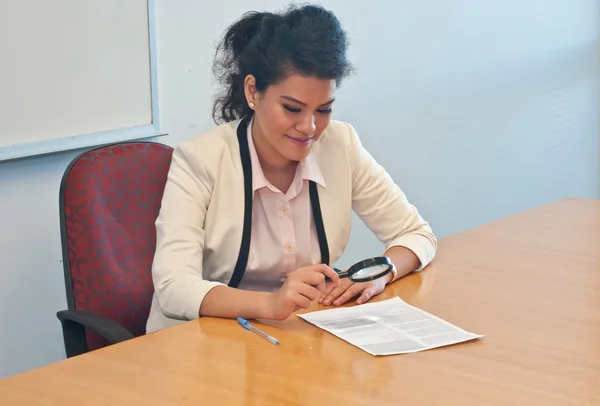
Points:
(368, 263)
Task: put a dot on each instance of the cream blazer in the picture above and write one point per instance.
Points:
(203, 228)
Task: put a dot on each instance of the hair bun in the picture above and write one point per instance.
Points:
(307, 39)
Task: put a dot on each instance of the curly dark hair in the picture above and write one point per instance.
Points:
(308, 40)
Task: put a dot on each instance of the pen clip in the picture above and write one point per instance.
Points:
(244, 323)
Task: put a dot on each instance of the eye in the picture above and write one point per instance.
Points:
(325, 111)
(292, 109)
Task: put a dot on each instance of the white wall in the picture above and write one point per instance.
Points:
(478, 109)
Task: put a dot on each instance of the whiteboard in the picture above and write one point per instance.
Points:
(75, 74)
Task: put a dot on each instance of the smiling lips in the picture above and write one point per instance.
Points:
(299, 141)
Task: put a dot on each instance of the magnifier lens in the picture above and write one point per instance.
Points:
(370, 271)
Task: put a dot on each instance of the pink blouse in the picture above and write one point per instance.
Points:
(283, 234)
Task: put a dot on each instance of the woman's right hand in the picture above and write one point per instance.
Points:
(300, 289)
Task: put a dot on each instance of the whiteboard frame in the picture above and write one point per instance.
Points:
(30, 149)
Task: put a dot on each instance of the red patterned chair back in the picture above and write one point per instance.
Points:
(109, 200)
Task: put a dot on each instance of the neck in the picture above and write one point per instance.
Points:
(269, 167)
(270, 159)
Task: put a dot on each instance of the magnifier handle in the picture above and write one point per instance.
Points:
(341, 274)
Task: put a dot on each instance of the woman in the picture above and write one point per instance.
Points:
(255, 210)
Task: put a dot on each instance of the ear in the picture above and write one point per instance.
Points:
(250, 89)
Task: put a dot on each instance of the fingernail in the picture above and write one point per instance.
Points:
(337, 302)
(359, 302)
(327, 302)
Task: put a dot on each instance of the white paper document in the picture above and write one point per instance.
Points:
(388, 327)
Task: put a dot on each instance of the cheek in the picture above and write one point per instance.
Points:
(322, 123)
(276, 123)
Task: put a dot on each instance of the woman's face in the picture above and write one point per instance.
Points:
(290, 116)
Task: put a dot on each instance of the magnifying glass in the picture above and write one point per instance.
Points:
(367, 270)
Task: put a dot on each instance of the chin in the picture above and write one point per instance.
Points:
(295, 152)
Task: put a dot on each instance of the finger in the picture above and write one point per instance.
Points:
(349, 293)
(312, 278)
(323, 270)
(335, 293)
(321, 287)
(333, 275)
(365, 296)
(325, 292)
(316, 279)
(301, 301)
(308, 291)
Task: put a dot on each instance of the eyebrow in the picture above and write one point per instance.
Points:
(304, 104)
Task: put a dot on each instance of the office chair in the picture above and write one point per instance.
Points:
(109, 200)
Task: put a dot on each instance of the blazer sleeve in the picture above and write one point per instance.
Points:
(384, 208)
(177, 266)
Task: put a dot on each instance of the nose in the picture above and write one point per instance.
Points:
(306, 125)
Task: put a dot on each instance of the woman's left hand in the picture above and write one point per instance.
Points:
(346, 290)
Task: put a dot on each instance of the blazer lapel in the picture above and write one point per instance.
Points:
(318, 219)
(242, 260)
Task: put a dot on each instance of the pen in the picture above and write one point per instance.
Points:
(246, 324)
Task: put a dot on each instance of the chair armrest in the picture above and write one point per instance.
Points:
(74, 323)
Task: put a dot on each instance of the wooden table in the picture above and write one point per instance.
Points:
(530, 283)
